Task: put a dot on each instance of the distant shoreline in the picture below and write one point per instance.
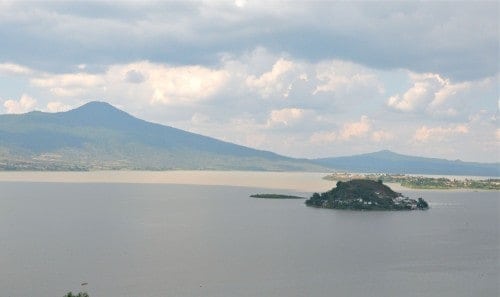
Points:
(419, 182)
(295, 181)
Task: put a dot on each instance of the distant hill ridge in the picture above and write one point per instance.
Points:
(98, 136)
(386, 161)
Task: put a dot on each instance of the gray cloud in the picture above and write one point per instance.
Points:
(457, 39)
(134, 76)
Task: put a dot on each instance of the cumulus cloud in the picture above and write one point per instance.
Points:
(344, 77)
(57, 106)
(355, 129)
(157, 83)
(285, 116)
(447, 91)
(437, 96)
(69, 84)
(424, 133)
(162, 84)
(24, 104)
(11, 68)
(420, 94)
(178, 85)
(271, 82)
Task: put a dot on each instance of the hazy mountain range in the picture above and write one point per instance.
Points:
(98, 136)
(390, 162)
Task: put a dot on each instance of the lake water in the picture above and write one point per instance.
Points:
(151, 240)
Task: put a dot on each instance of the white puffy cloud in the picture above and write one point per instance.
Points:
(179, 85)
(437, 96)
(149, 82)
(424, 133)
(15, 69)
(447, 91)
(271, 82)
(69, 84)
(344, 77)
(24, 104)
(57, 106)
(157, 83)
(355, 129)
(285, 116)
(420, 94)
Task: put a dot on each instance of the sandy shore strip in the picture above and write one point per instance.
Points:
(296, 181)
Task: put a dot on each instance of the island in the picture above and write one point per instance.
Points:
(275, 196)
(364, 194)
(421, 182)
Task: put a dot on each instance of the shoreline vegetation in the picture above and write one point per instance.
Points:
(420, 182)
(365, 194)
(275, 196)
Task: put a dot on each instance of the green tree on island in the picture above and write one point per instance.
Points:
(422, 204)
(364, 194)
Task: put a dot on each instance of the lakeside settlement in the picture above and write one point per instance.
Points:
(420, 182)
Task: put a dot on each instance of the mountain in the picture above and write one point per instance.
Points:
(99, 136)
(389, 162)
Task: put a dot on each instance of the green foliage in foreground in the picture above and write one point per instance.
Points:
(275, 196)
(81, 294)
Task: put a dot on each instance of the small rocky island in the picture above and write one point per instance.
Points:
(364, 194)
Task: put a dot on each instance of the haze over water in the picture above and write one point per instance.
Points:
(139, 239)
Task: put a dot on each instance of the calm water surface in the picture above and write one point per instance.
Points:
(151, 240)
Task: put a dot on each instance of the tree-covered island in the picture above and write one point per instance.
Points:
(364, 194)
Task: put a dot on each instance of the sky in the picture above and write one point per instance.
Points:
(299, 78)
